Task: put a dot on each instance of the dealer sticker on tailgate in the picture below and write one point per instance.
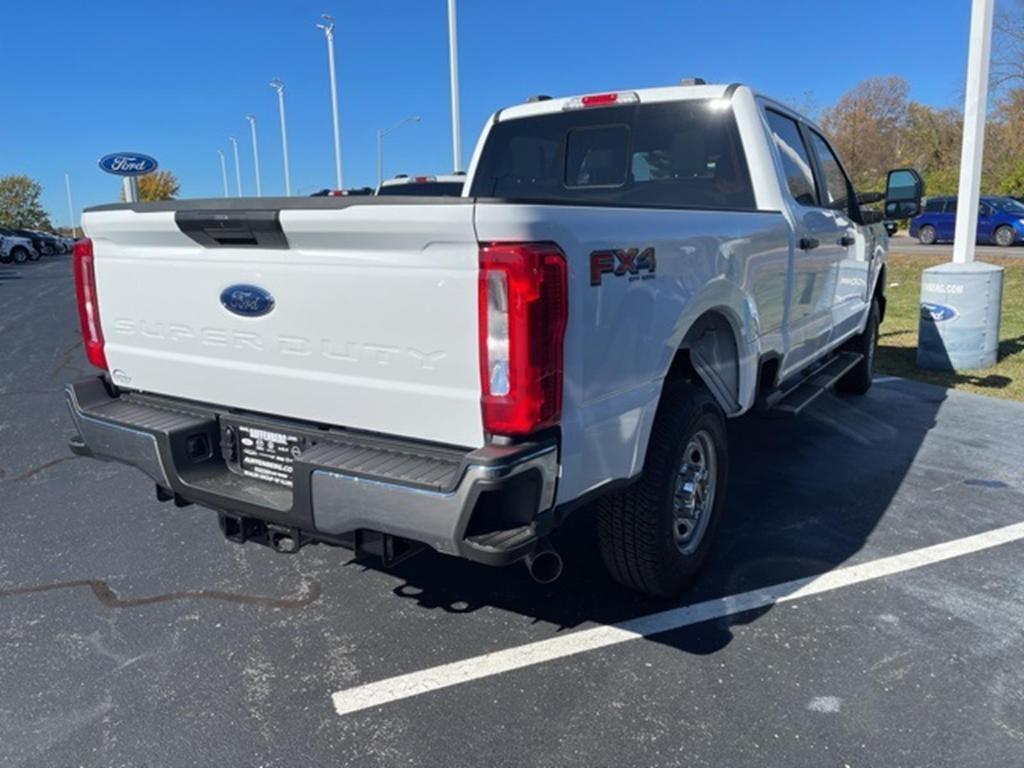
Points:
(267, 455)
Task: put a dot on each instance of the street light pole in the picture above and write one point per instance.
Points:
(278, 86)
(381, 133)
(238, 166)
(453, 61)
(71, 208)
(328, 30)
(255, 154)
(223, 171)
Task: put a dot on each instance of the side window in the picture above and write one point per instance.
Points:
(951, 205)
(934, 206)
(837, 186)
(796, 163)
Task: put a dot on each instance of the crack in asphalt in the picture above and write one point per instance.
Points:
(309, 593)
(22, 392)
(36, 470)
(65, 358)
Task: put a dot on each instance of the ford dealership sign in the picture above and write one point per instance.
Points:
(128, 164)
(938, 313)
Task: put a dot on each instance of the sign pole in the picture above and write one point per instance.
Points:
(975, 109)
(961, 301)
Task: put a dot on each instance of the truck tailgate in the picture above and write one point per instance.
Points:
(373, 325)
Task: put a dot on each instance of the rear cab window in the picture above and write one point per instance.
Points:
(680, 154)
(424, 189)
(796, 159)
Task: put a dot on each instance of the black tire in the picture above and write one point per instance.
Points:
(6, 258)
(19, 254)
(1005, 236)
(927, 235)
(35, 256)
(858, 379)
(639, 531)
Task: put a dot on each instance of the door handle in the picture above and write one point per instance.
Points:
(809, 243)
(847, 240)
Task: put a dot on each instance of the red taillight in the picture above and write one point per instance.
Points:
(88, 306)
(523, 313)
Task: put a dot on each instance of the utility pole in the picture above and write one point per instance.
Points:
(453, 61)
(328, 30)
(255, 154)
(71, 208)
(223, 171)
(238, 165)
(278, 86)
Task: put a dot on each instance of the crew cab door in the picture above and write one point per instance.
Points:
(853, 278)
(817, 251)
(945, 223)
(986, 222)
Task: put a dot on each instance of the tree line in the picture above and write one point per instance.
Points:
(21, 204)
(875, 127)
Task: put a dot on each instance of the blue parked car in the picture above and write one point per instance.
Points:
(1000, 221)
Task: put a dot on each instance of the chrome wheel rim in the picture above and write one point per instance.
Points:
(1004, 237)
(694, 497)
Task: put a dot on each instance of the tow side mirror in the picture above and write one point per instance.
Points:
(904, 189)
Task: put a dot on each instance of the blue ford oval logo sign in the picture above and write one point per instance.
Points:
(127, 164)
(247, 300)
(938, 313)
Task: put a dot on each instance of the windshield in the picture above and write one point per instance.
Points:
(1006, 205)
(684, 154)
(425, 189)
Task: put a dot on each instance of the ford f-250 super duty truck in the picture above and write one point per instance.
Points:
(623, 272)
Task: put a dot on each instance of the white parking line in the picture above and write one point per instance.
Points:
(458, 672)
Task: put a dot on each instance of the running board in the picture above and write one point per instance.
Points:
(793, 398)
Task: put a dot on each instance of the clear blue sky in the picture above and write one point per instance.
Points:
(175, 79)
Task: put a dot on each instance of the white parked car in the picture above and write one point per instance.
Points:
(16, 248)
(623, 272)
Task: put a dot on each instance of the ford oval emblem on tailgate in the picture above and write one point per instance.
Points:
(247, 300)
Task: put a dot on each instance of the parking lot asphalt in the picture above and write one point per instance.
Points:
(133, 634)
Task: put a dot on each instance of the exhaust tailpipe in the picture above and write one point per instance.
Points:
(544, 563)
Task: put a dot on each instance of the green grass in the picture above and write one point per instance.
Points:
(897, 351)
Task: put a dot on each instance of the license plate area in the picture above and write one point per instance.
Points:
(262, 452)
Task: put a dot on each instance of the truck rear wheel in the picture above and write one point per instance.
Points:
(655, 535)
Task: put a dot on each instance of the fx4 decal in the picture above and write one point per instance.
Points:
(622, 261)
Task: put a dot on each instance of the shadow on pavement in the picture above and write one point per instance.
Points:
(805, 494)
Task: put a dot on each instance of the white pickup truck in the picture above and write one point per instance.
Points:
(623, 272)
